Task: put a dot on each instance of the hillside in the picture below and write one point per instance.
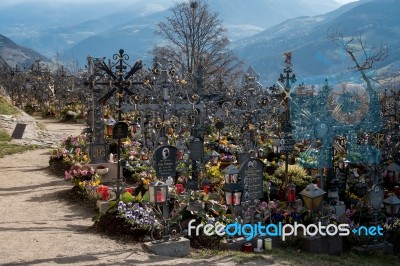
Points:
(314, 55)
(15, 54)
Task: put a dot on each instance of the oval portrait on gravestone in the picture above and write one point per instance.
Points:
(165, 153)
(252, 164)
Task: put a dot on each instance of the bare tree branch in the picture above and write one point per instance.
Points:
(195, 34)
(363, 55)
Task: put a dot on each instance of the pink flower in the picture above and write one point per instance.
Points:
(67, 176)
(84, 172)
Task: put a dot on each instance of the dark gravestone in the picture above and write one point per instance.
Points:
(120, 130)
(196, 148)
(251, 173)
(165, 161)
(98, 153)
(18, 131)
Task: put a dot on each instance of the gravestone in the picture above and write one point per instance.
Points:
(196, 148)
(98, 153)
(120, 130)
(165, 161)
(18, 131)
(251, 173)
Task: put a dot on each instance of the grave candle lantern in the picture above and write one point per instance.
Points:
(109, 126)
(158, 192)
(233, 194)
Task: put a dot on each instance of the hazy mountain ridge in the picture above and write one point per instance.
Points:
(15, 54)
(314, 55)
(78, 29)
(306, 36)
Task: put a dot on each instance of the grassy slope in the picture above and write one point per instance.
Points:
(7, 148)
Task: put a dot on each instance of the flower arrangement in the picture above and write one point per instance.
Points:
(392, 224)
(71, 111)
(90, 187)
(213, 173)
(71, 143)
(309, 159)
(278, 214)
(49, 111)
(79, 173)
(139, 215)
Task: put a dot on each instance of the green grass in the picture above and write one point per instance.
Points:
(289, 256)
(7, 148)
(6, 108)
(4, 136)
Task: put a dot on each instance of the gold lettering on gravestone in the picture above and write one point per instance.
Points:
(99, 152)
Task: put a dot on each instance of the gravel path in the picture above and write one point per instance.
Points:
(38, 227)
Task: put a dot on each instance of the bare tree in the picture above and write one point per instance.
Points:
(196, 41)
(364, 56)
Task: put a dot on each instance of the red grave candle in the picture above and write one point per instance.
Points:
(292, 194)
(160, 196)
(179, 188)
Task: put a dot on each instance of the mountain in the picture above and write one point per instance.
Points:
(75, 31)
(314, 56)
(14, 54)
(51, 27)
(136, 37)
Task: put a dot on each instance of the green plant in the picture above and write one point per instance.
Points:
(127, 197)
(296, 175)
(4, 136)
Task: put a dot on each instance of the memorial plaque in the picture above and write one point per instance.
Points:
(196, 148)
(165, 161)
(98, 153)
(18, 131)
(120, 130)
(287, 142)
(251, 173)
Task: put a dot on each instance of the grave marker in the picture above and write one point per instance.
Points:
(18, 131)
(251, 173)
(165, 161)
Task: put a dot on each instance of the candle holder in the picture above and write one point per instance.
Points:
(268, 244)
(291, 193)
(259, 247)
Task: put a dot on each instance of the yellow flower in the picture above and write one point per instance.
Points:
(145, 181)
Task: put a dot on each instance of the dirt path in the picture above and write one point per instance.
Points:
(38, 227)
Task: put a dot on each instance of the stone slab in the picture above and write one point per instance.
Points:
(332, 245)
(112, 171)
(102, 205)
(18, 131)
(384, 247)
(171, 248)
